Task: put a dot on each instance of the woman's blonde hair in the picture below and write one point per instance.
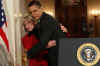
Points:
(29, 18)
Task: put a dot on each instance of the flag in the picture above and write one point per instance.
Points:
(3, 27)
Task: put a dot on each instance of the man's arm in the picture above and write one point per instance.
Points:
(44, 39)
(45, 35)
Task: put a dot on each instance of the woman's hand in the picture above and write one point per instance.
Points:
(24, 57)
(63, 28)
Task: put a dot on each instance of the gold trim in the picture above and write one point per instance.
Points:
(93, 46)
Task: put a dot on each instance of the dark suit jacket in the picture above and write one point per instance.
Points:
(49, 29)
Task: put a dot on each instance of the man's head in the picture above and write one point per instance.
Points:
(35, 9)
(29, 24)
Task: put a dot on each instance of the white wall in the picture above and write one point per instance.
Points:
(14, 36)
(9, 10)
(18, 19)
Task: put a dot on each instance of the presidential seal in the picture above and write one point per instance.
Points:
(88, 54)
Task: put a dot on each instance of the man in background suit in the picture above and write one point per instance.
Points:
(47, 28)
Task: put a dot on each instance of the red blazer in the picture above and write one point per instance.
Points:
(28, 42)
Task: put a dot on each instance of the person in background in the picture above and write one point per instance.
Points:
(64, 29)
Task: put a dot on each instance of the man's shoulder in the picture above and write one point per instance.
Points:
(47, 16)
(49, 21)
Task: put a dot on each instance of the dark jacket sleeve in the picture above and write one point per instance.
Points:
(47, 30)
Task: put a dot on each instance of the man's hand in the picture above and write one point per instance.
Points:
(51, 43)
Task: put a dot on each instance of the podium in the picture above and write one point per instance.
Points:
(79, 52)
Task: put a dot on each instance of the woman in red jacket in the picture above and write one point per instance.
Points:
(30, 40)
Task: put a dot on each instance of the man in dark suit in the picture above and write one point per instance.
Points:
(47, 29)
